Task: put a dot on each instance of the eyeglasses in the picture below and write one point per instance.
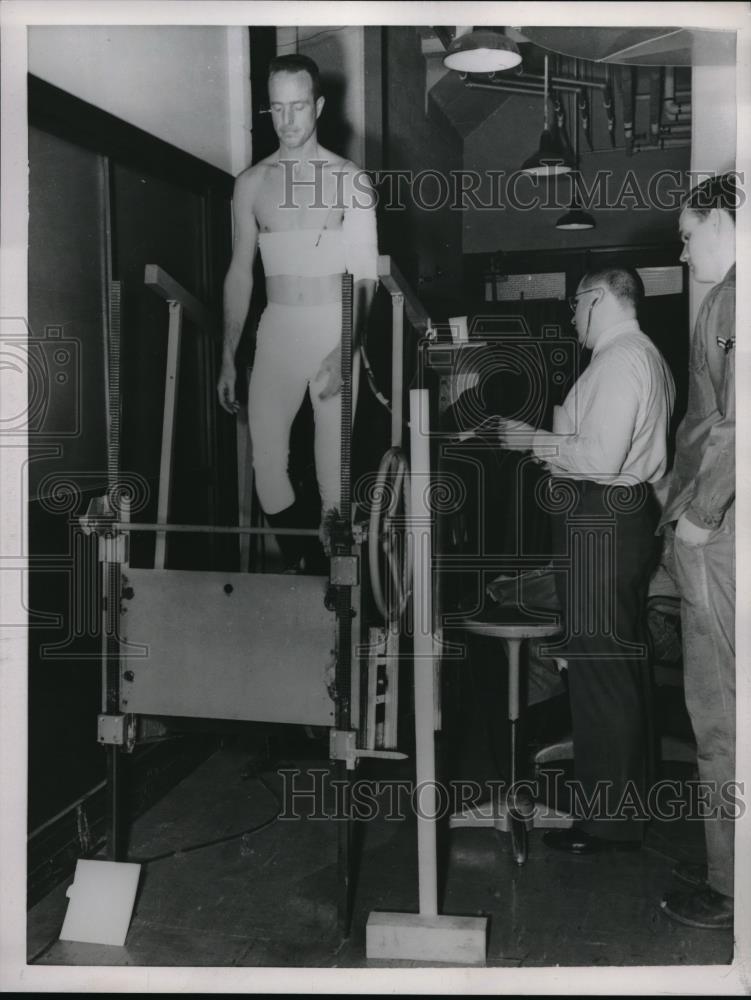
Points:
(573, 300)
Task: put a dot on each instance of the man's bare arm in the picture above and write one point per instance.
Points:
(238, 285)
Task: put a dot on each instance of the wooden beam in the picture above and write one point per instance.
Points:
(168, 426)
(395, 283)
(412, 936)
(165, 285)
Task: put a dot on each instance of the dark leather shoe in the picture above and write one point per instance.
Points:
(578, 842)
(703, 908)
(691, 874)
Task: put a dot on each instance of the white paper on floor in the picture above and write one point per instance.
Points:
(101, 902)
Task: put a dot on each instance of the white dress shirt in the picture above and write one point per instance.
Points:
(613, 425)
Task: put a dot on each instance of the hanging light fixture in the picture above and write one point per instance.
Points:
(482, 52)
(550, 159)
(576, 217)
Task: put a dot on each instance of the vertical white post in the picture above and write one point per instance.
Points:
(420, 531)
(397, 368)
(239, 98)
(514, 702)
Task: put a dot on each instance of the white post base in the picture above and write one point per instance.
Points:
(497, 815)
(411, 936)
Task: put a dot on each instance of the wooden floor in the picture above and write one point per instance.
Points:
(269, 899)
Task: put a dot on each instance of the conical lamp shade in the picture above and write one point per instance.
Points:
(575, 218)
(482, 52)
(550, 158)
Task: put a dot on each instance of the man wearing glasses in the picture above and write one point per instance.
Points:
(607, 446)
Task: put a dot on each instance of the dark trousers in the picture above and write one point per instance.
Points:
(604, 543)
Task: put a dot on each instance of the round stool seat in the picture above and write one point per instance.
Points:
(506, 622)
(513, 625)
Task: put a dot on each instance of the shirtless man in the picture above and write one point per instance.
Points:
(311, 213)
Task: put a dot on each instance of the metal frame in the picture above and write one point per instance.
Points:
(128, 634)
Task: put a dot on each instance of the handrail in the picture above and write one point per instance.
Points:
(396, 284)
(392, 278)
(165, 285)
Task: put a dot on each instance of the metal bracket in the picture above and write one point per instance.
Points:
(342, 746)
(117, 730)
(345, 571)
(113, 548)
(98, 515)
(359, 532)
(383, 688)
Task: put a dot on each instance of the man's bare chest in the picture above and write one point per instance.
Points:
(292, 197)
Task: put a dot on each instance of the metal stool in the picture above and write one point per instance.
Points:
(517, 812)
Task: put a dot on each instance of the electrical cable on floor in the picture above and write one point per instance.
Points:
(42, 951)
(186, 850)
(218, 840)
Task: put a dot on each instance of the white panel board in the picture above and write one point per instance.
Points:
(661, 280)
(514, 287)
(250, 646)
(101, 902)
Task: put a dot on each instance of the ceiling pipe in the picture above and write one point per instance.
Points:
(669, 142)
(582, 106)
(511, 87)
(551, 157)
(627, 103)
(671, 107)
(655, 87)
(567, 83)
(575, 219)
(505, 87)
(560, 120)
(682, 120)
(670, 102)
(560, 81)
(608, 106)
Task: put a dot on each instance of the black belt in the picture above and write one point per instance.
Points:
(621, 498)
(589, 485)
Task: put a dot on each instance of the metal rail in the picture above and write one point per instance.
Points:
(203, 529)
